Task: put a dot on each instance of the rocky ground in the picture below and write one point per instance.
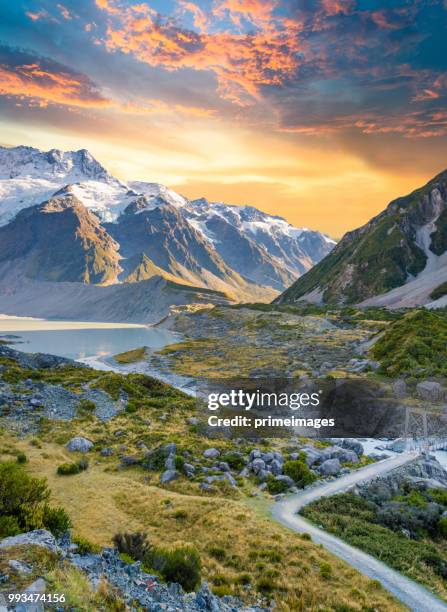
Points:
(136, 587)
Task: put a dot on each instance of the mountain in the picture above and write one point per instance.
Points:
(64, 218)
(399, 258)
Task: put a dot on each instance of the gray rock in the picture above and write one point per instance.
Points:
(400, 388)
(353, 445)
(189, 469)
(276, 467)
(168, 476)
(283, 478)
(255, 454)
(192, 420)
(230, 479)
(330, 467)
(267, 457)
(38, 537)
(397, 446)
(211, 453)
(107, 452)
(429, 390)
(223, 466)
(313, 455)
(79, 445)
(170, 462)
(19, 567)
(258, 465)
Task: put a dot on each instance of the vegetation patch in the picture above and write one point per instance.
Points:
(138, 354)
(415, 345)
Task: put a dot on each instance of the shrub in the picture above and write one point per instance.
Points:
(182, 565)
(87, 405)
(8, 526)
(180, 514)
(68, 469)
(234, 460)
(179, 463)
(276, 486)
(21, 458)
(217, 552)
(56, 520)
(23, 503)
(299, 472)
(135, 545)
(325, 571)
(85, 546)
(265, 585)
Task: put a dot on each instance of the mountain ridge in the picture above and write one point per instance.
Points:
(398, 258)
(190, 241)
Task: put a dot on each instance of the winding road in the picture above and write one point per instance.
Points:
(411, 594)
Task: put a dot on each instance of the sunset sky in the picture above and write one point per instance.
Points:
(321, 111)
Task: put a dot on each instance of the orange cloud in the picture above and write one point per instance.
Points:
(336, 7)
(47, 86)
(241, 62)
(159, 107)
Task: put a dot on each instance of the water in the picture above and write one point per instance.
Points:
(84, 343)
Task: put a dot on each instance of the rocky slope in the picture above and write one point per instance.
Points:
(397, 259)
(82, 225)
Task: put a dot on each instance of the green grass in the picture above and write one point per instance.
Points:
(414, 345)
(133, 356)
(356, 521)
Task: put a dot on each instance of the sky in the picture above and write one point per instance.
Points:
(321, 111)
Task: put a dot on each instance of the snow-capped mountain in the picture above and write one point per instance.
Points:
(104, 231)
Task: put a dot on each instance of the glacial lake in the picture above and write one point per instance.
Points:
(79, 340)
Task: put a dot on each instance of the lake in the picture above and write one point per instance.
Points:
(79, 340)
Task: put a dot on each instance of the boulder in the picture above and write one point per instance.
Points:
(255, 454)
(312, 455)
(211, 453)
(38, 537)
(106, 452)
(354, 445)
(79, 445)
(283, 478)
(400, 388)
(430, 391)
(330, 467)
(168, 476)
(223, 466)
(230, 479)
(258, 465)
(276, 467)
(170, 462)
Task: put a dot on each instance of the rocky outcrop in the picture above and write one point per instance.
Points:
(131, 581)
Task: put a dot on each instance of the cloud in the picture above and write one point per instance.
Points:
(242, 62)
(42, 81)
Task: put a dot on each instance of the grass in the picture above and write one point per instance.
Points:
(102, 502)
(353, 519)
(138, 354)
(415, 345)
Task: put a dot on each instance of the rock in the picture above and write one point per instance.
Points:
(205, 486)
(429, 390)
(168, 476)
(400, 388)
(267, 457)
(278, 456)
(211, 453)
(230, 479)
(223, 466)
(38, 586)
(189, 469)
(107, 452)
(294, 456)
(255, 454)
(344, 455)
(262, 486)
(258, 465)
(79, 445)
(283, 478)
(398, 446)
(192, 420)
(262, 475)
(19, 567)
(330, 467)
(312, 455)
(170, 462)
(38, 537)
(276, 467)
(129, 460)
(353, 445)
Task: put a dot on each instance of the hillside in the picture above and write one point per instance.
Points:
(397, 259)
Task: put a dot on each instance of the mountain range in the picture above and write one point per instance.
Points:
(397, 259)
(71, 230)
